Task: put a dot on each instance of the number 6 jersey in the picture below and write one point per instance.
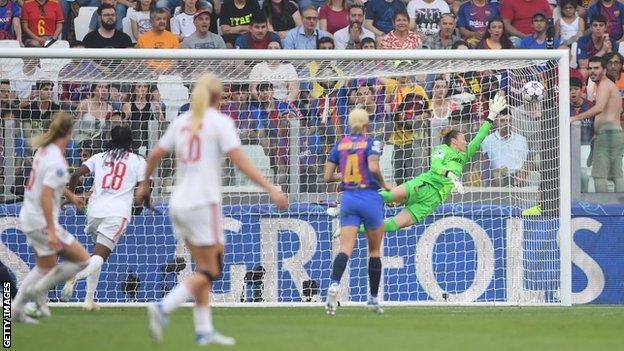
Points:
(114, 183)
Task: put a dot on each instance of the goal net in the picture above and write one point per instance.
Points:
(505, 241)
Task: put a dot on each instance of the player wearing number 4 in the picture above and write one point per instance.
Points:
(357, 159)
(117, 172)
(424, 193)
(199, 139)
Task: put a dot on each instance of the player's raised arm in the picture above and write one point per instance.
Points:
(497, 105)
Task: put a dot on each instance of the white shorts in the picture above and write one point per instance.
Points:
(38, 240)
(200, 226)
(106, 231)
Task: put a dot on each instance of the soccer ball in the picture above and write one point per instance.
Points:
(533, 91)
(31, 310)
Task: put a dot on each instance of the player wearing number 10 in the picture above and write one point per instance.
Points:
(117, 172)
(357, 158)
(199, 139)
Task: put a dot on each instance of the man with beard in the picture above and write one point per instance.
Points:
(107, 36)
(608, 142)
(351, 36)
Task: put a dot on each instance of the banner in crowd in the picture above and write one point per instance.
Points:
(461, 253)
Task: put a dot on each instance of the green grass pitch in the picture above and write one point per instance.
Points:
(300, 329)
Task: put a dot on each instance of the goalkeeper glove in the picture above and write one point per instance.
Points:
(457, 185)
(497, 104)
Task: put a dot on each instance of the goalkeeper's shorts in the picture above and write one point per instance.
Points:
(422, 199)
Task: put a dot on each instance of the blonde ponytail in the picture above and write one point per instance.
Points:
(207, 89)
(61, 125)
(358, 119)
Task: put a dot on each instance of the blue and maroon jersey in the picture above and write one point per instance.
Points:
(351, 155)
(475, 18)
(614, 15)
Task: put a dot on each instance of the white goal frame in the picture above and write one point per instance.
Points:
(561, 56)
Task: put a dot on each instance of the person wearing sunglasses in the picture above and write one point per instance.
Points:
(42, 20)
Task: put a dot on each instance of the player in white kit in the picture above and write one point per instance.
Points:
(117, 172)
(200, 138)
(39, 221)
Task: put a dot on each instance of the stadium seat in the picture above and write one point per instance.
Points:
(173, 93)
(385, 163)
(81, 22)
(7, 64)
(127, 28)
(259, 159)
(573, 48)
(9, 44)
(621, 48)
(52, 67)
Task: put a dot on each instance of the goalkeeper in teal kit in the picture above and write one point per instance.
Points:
(424, 193)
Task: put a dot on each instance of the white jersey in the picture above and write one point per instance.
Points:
(198, 157)
(49, 169)
(114, 182)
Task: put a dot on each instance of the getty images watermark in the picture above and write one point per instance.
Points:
(6, 314)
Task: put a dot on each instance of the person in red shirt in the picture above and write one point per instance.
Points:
(41, 20)
(517, 15)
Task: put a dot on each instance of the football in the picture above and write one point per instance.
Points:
(533, 91)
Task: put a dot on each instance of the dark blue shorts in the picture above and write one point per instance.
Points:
(361, 207)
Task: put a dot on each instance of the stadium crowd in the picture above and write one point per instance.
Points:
(408, 112)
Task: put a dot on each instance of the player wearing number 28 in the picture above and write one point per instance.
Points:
(117, 172)
(357, 158)
(424, 193)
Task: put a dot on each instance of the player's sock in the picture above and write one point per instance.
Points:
(175, 298)
(386, 196)
(92, 282)
(374, 274)
(202, 316)
(95, 262)
(338, 267)
(31, 279)
(60, 273)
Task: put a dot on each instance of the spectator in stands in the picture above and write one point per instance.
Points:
(369, 44)
(614, 13)
(42, 20)
(401, 37)
(236, 16)
(614, 68)
(409, 137)
(333, 15)
(473, 17)
(282, 15)
(183, 24)
(570, 26)
(283, 75)
(24, 78)
(596, 43)
(495, 36)
(258, 36)
(8, 104)
(350, 37)
(325, 43)
(579, 104)
(517, 16)
(10, 26)
(441, 109)
(507, 153)
(538, 40)
(425, 15)
(107, 35)
(203, 38)
(239, 109)
(380, 14)
(139, 111)
(140, 17)
(37, 114)
(459, 45)
(372, 100)
(488, 87)
(120, 6)
(446, 36)
(272, 117)
(159, 37)
(92, 112)
(307, 35)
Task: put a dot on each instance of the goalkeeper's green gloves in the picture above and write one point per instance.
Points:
(497, 104)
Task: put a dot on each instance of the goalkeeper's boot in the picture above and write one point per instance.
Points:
(373, 305)
(214, 338)
(90, 305)
(333, 211)
(68, 290)
(157, 320)
(332, 299)
(21, 317)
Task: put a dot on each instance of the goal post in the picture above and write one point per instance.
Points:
(507, 241)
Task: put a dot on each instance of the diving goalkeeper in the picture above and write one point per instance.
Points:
(424, 193)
